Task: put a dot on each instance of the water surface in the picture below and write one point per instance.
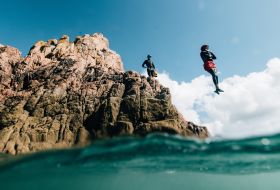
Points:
(154, 162)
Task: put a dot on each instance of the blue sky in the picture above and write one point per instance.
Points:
(244, 34)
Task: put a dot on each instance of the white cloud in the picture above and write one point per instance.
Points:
(249, 106)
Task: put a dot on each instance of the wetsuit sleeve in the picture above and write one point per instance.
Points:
(153, 66)
(203, 56)
(143, 64)
(213, 55)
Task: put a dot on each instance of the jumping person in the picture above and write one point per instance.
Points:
(209, 65)
(148, 63)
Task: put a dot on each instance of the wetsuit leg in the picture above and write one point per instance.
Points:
(214, 77)
(149, 72)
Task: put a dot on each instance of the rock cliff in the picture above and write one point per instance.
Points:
(65, 94)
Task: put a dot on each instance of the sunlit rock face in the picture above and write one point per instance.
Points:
(65, 94)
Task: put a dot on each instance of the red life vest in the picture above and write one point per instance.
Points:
(208, 65)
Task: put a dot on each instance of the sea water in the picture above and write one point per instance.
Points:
(158, 161)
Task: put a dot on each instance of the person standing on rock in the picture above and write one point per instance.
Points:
(207, 56)
(148, 63)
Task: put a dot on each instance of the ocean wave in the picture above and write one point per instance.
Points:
(156, 153)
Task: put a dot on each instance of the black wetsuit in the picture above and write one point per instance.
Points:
(150, 66)
(209, 56)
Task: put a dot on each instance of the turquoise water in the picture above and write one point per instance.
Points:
(154, 162)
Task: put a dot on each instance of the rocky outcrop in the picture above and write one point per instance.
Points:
(65, 94)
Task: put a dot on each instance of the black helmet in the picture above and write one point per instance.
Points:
(149, 56)
(204, 47)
